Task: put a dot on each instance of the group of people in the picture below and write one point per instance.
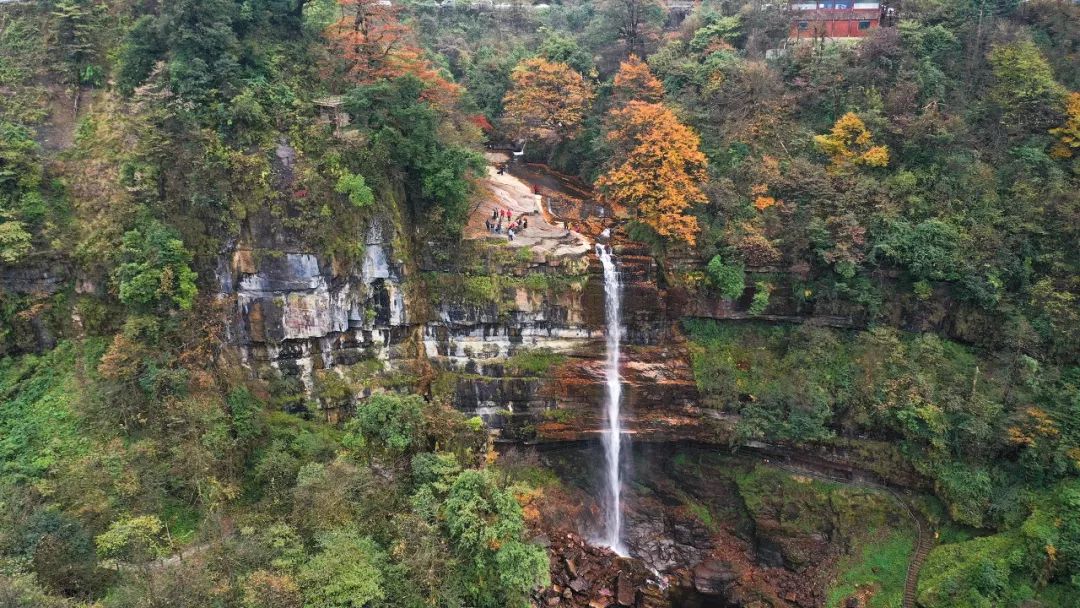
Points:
(495, 224)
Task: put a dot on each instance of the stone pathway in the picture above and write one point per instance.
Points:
(545, 236)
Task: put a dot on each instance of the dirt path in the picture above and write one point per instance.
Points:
(507, 192)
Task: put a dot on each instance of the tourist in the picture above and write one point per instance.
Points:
(494, 214)
(524, 223)
(510, 234)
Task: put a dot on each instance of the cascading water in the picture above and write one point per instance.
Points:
(613, 437)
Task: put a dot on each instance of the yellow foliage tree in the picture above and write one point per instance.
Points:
(850, 143)
(769, 170)
(1068, 134)
(635, 80)
(658, 171)
(548, 100)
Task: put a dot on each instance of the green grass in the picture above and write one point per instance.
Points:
(532, 476)
(39, 427)
(479, 288)
(534, 361)
(881, 564)
(182, 520)
(700, 511)
(560, 415)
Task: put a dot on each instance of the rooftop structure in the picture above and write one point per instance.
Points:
(834, 19)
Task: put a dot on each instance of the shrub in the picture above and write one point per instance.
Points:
(730, 279)
(392, 424)
(762, 291)
(133, 540)
(156, 271)
(359, 193)
(534, 362)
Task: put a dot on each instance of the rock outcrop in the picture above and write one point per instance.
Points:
(29, 289)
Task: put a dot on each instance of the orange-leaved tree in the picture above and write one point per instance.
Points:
(658, 171)
(372, 45)
(1068, 134)
(851, 143)
(635, 80)
(548, 100)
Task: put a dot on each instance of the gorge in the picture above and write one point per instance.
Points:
(585, 304)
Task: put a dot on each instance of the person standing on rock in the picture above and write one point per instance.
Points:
(524, 223)
(510, 234)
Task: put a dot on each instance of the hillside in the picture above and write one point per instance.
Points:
(356, 303)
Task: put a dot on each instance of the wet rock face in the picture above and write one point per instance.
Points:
(713, 577)
(722, 530)
(474, 342)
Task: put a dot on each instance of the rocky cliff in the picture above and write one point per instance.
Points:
(513, 337)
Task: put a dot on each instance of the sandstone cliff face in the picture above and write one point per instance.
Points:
(477, 348)
(296, 314)
(299, 316)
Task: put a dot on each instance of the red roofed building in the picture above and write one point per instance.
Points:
(834, 19)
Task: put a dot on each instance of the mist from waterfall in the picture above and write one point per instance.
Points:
(612, 438)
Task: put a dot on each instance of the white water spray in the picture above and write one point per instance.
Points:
(613, 437)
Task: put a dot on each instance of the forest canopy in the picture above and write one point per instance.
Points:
(865, 245)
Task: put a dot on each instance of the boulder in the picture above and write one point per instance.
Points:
(625, 593)
(713, 577)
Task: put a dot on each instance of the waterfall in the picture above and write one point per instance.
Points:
(613, 395)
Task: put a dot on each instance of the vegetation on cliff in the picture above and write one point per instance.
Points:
(141, 465)
(917, 187)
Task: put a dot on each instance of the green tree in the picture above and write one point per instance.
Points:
(75, 27)
(560, 48)
(406, 135)
(346, 573)
(155, 271)
(142, 48)
(203, 48)
(353, 185)
(197, 42)
(133, 540)
(932, 249)
(21, 176)
(486, 529)
(720, 30)
(1024, 87)
(388, 423)
(15, 241)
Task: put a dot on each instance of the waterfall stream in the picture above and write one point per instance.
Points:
(612, 438)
